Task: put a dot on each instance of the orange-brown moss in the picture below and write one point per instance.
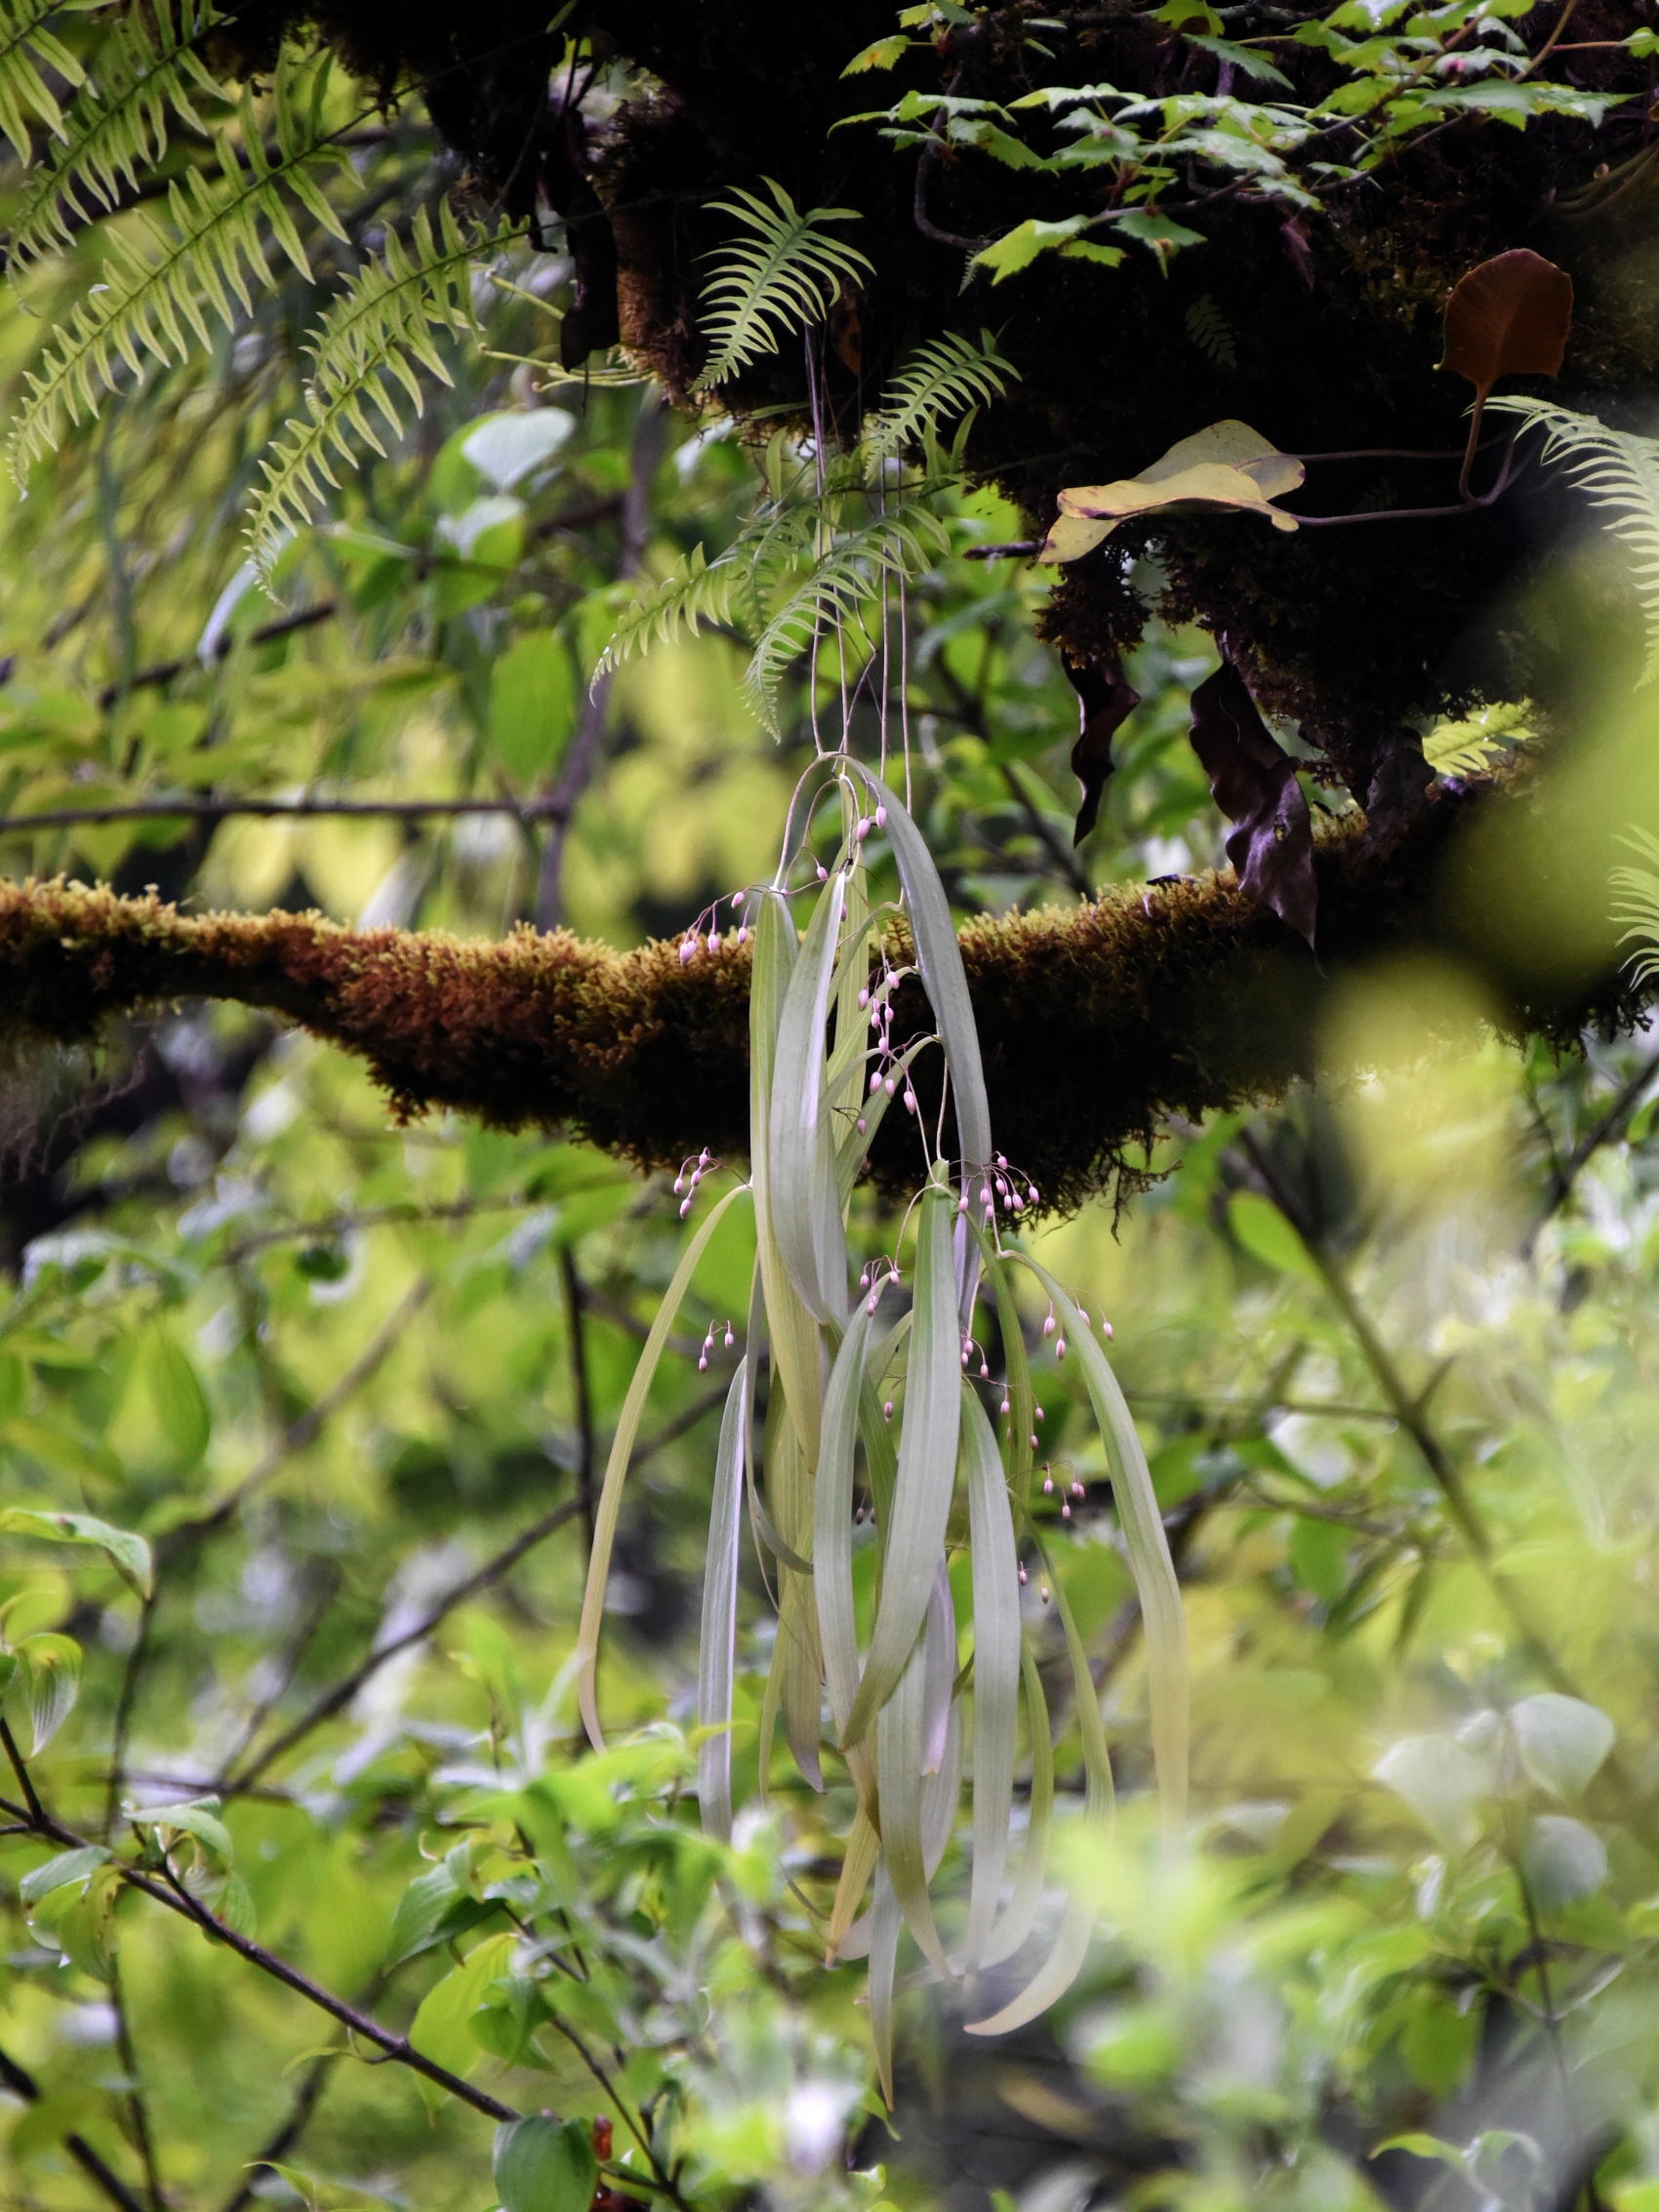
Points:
(1096, 1022)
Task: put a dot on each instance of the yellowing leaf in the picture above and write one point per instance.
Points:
(1228, 464)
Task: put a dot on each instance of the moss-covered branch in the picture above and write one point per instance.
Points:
(1096, 1022)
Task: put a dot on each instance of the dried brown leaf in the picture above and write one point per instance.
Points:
(1254, 783)
(1509, 317)
(1226, 464)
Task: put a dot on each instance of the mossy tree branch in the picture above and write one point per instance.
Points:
(1096, 1022)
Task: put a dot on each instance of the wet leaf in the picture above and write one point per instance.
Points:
(1254, 783)
(1509, 317)
(1106, 700)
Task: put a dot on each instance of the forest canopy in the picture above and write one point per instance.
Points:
(828, 871)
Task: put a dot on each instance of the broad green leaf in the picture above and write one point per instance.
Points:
(1562, 1741)
(543, 2164)
(128, 1553)
(1442, 1783)
(180, 1403)
(997, 1667)
(199, 1821)
(436, 1906)
(51, 1670)
(615, 1469)
(927, 1465)
(716, 1650)
(441, 2030)
(1264, 1233)
(1563, 1860)
(533, 702)
(76, 1866)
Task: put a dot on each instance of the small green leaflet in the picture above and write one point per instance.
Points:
(129, 1555)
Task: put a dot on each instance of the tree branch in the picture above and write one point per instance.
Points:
(1096, 1024)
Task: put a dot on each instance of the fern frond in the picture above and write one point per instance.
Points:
(694, 592)
(157, 281)
(1467, 746)
(939, 382)
(119, 124)
(904, 542)
(783, 276)
(368, 341)
(1620, 472)
(1211, 332)
(26, 47)
(1637, 902)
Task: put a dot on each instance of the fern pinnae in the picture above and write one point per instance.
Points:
(941, 380)
(119, 125)
(368, 338)
(783, 275)
(157, 281)
(26, 47)
(1636, 903)
(1619, 471)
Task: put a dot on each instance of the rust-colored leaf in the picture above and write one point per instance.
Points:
(1509, 317)
(1106, 699)
(1254, 783)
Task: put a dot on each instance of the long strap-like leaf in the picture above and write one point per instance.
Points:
(799, 1154)
(717, 1650)
(1161, 1613)
(1016, 1924)
(996, 1666)
(615, 1469)
(927, 1465)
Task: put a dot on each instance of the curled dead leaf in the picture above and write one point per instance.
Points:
(1227, 464)
(1253, 779)
(1106, 699)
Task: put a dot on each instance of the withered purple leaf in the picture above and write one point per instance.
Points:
(1106, 700)
(1253, 780)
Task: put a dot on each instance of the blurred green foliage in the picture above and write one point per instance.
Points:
(1393, 1350)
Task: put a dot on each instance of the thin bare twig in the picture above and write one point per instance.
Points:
(1563, 1174)
(574, 1317)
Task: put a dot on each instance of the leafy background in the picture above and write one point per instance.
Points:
(1391, 1348)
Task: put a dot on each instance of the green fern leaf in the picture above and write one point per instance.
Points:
(941, 380)
(1620, 472)
(1211, 332)
(1637, 902)
(369, 342)
(158, 280)
(26, 47)
(904, 542)
(782, 277)
(1468, 746)
(119, 125)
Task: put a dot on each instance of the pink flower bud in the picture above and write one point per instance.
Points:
(738, 898)
(713, 941)
(1033, 1443)
(1106, 1330)
(863, 998)
(822, 873)
(863, 829)
(964, 1359)
(985, 1194)
(890, 1086)
(688, 947)
(1039, 1413)
(1018, 1203)
(680, 1184)
(742, 934)
(962, 1203)
(730, 1339)
(887, 1410)
(876, 1082)
(1004, 1407)
(984, 1372)
(685, 1209)
(881, 817)
(1045, 1588)
(1048, 1486)
(1066, 1512)
(1059, 1347)
(873, 1296)
(703, 1364)
(910, 1100)
(1000, 1161)
(862, 1125)
(1076, 1490)
(1021, 1578)
(1048, 1325)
